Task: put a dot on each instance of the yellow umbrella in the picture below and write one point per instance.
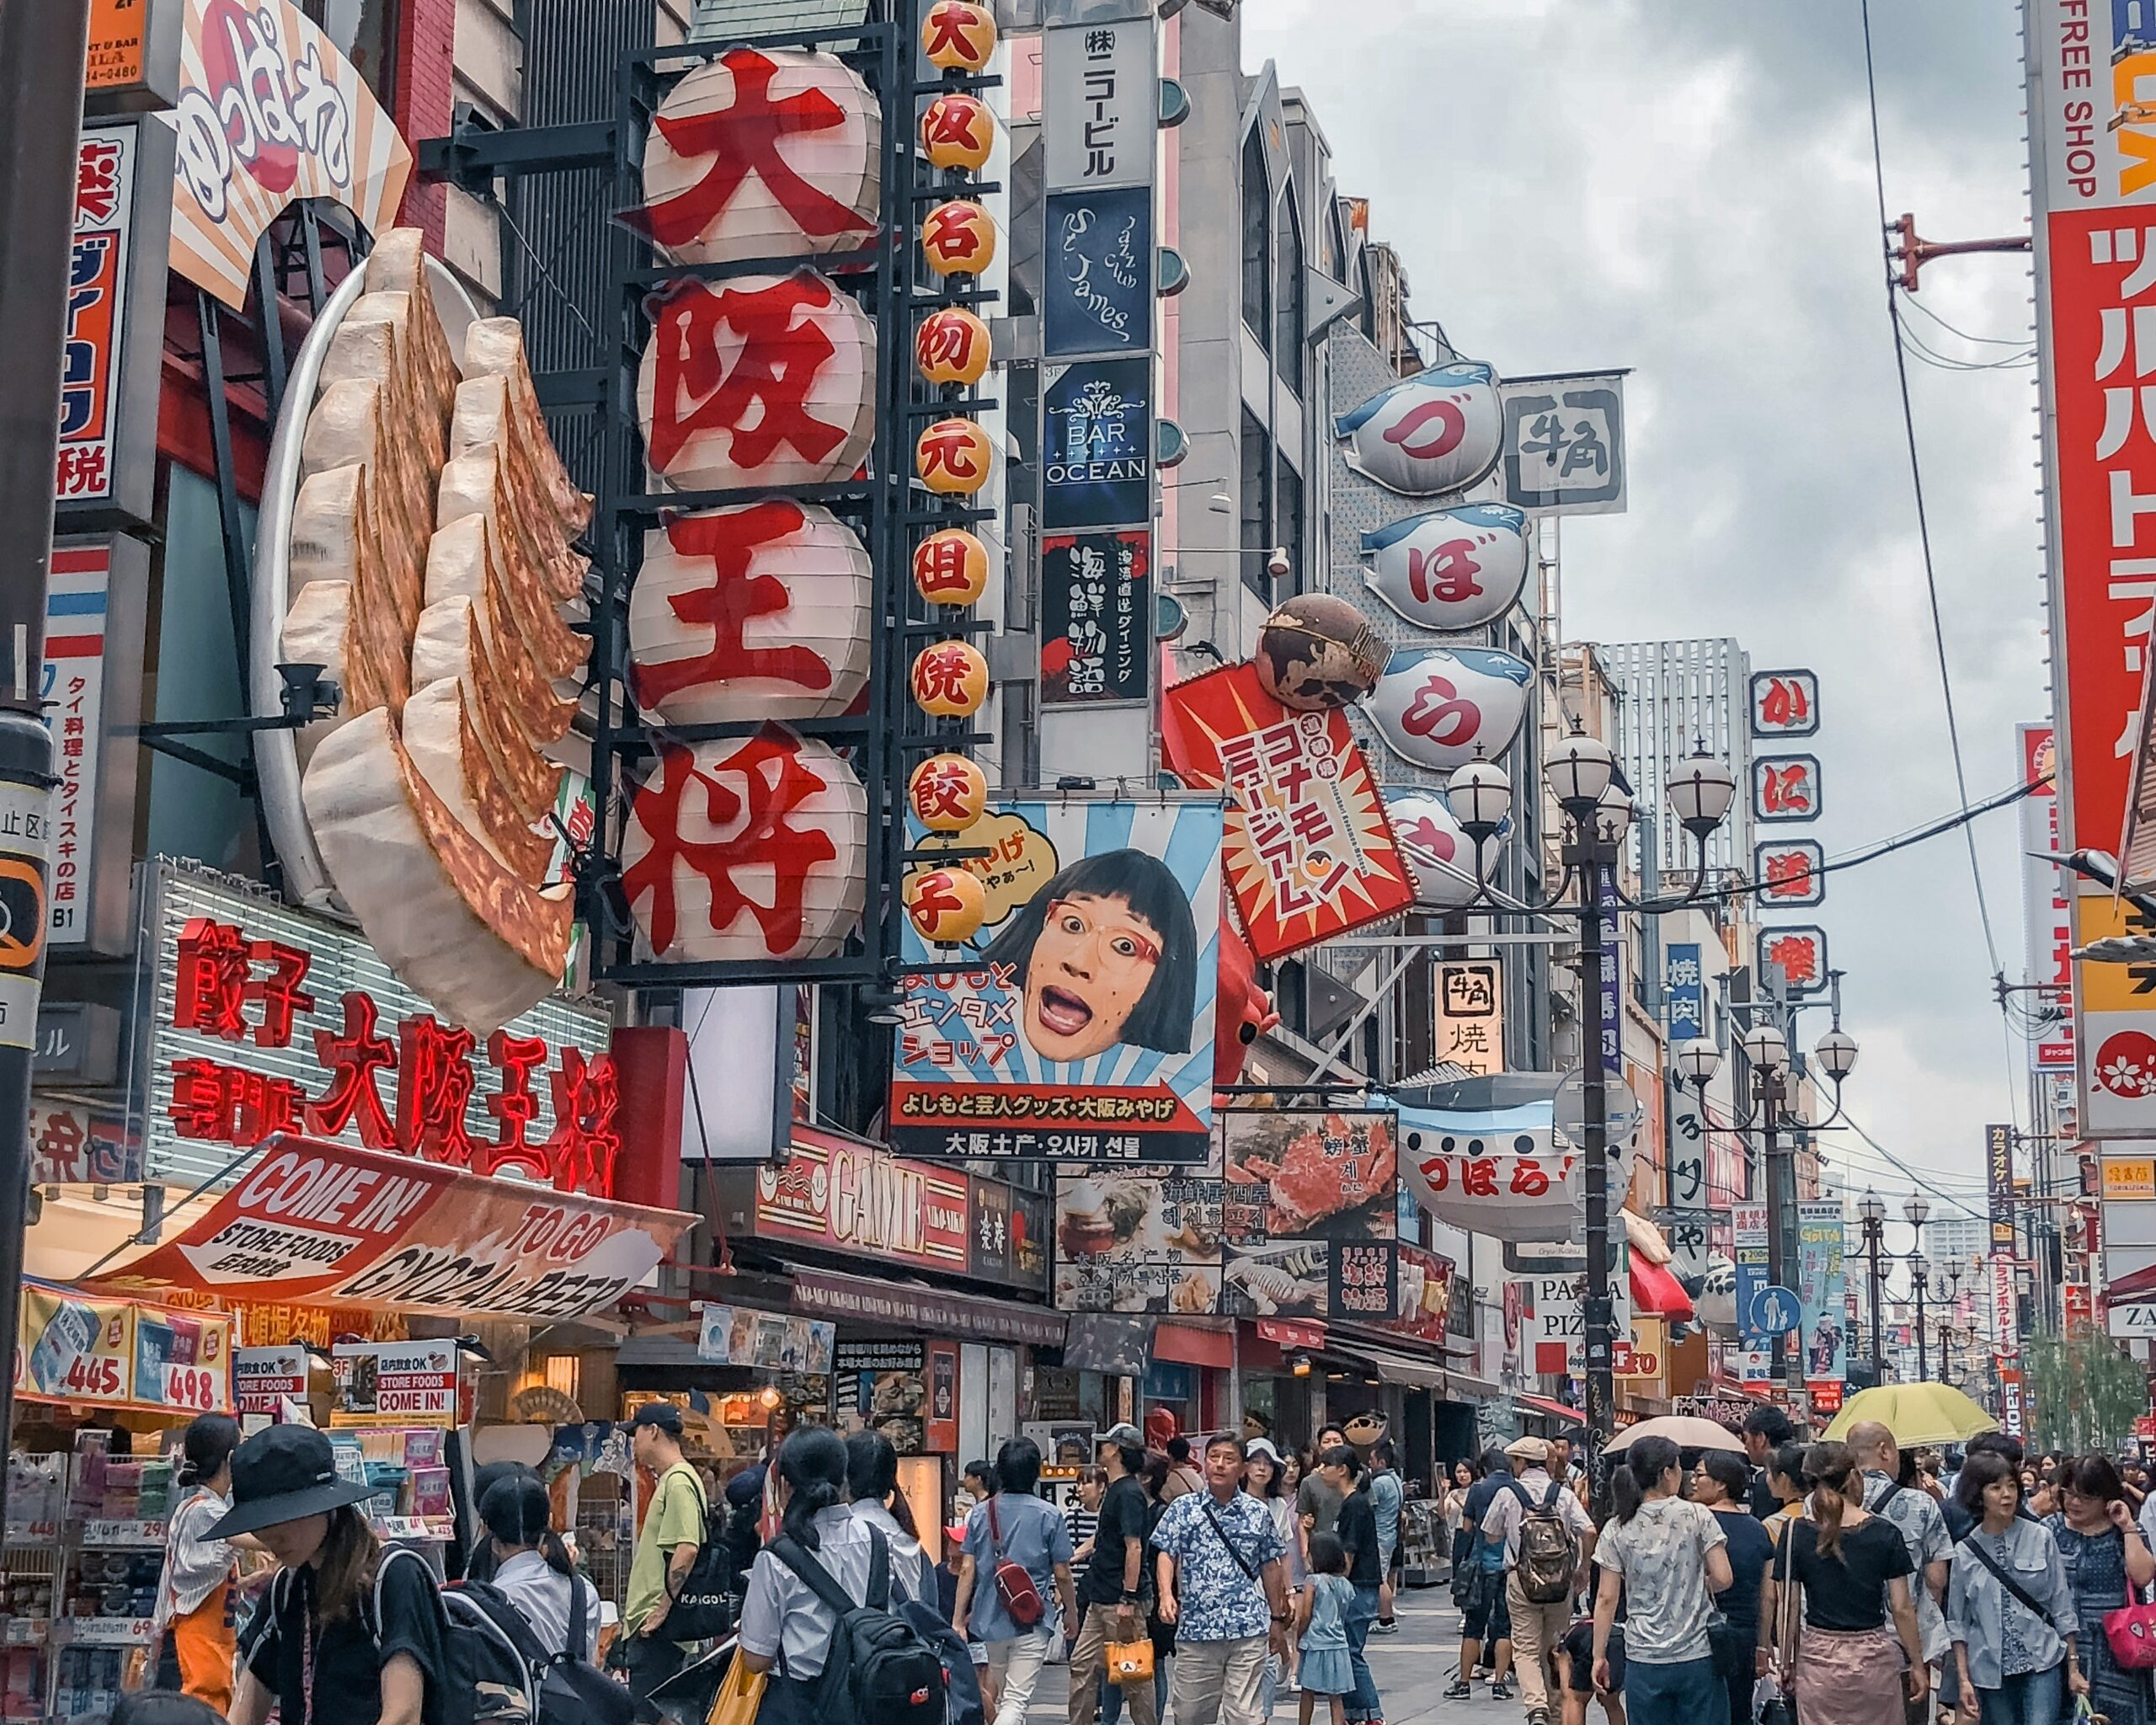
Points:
(1916, 1413)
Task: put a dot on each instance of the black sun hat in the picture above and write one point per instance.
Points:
(281, 1475)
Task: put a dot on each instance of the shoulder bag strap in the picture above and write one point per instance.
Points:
(995, 1529)
(1221, 1534)
(1557, 1491)
(1785, 1649)
(880, 1571)
(2012, 1586)
(803, 1562)
(579, 1631)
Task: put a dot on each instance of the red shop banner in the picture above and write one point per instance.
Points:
(860, 1199)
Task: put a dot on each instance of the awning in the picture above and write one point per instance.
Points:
(1656, 1291)
(313, 1222)
(1185, 1344)
(1549, 1409)
(1399, 1368)
(1283, 1333)
(920, 1307)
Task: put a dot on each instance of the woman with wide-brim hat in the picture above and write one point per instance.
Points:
(349, 1634)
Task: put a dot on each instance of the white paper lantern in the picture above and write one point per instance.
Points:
(1452, 569)
(764, 154)
(1439, 708)
(747, 849)
(1439, 855)
(759, 612)
(763, 381)
(1436, 432)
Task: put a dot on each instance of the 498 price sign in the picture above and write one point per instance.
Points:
(193, 1386)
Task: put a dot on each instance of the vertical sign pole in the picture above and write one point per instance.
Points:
(1597, 1319)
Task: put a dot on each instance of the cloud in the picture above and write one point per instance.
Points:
(1685, 188)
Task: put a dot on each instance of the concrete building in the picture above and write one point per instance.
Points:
(1679, 697)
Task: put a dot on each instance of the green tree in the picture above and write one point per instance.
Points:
(2084, 1392)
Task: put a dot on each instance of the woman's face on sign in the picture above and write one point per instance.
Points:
(1091, 964)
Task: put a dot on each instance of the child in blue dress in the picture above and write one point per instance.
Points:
(1321, 1629)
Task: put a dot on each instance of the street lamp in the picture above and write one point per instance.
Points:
(1871, 1212)
(1582, 776)
(1952, 1290)
(1920, 1285)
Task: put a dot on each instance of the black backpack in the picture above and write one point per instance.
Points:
(566, 1688)
(703, 1609)
(484, 1679)
(879, 1670)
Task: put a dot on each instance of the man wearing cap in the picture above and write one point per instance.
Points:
(1110, 1594)
(1538, 1630)
(666, 1552)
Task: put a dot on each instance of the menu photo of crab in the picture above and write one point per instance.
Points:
(1308, 1214)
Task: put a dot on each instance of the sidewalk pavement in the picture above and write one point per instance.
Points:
(1412, 1669)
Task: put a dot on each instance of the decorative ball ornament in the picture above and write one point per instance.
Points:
(946, 793)
(954, 457)
(951, 567)
(957, 35)
(953, 346)
(950, 679)
(747, 848)
(1317, 652)
(946, 906)
(958, 131)
(959, 238)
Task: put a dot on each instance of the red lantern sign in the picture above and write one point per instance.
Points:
(957, 35)
(959, 238)
(760, 612)
(954, 457)
(948, 793)
(952, 346)
(958, 131)
(748, 850)
(765, 380)
(951, 567)
(950, 679)
(946, 905)
(760, 155)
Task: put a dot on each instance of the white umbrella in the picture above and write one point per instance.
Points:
(1682, 1430)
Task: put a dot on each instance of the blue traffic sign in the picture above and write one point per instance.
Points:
(1774, 1311)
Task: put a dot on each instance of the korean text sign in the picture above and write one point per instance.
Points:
(1079, 1026)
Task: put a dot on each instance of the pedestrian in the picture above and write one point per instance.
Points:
(1666, 1557)
(1083, 1516)
(977, 1479)
(1785, 1471)
(1723, 1484)
(1183, 1471)
(1455, 1508)
(872, 1482)
(1852, 1569)
(2107, 1563)
(1540, 1600)
(533, 1569)
(1014, 1525)
(742, 1537)
(192, 1625)
(1317, 1505)
(1358, 1533)
(1111, 1593)
(1387, 1495)
(1766, 1429)
(665, 1552)
(348, 1634)
(2008, 1607)
(1321, 1633)
(1485, 1621)
(1577, 1667)
(1262, 1476)
(1888, 1491)
(786, 1627)
(1221, 1572)
(1154, 1477)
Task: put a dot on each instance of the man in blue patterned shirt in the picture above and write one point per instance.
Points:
(1222, 1586)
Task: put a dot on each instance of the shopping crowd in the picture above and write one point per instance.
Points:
(1843, 1583)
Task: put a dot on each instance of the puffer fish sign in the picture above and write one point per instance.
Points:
(1437, 432)
(1452, 569)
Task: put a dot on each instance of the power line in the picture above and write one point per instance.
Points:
(1982, 340)
(1923, 523)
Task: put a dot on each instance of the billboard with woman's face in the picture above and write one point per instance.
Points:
(1077, 1024)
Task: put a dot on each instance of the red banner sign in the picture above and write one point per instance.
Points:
(854, 1197)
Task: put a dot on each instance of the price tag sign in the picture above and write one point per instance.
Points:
(193, 1386)
(110, 1535)
(109, 1632)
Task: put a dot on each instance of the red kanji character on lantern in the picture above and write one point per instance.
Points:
(1478, 1178)
(1530, 1179)
(952, 347)
(951, 567)
(353, 1059)
(210, 985)
(586, 1142)
(775, 781)
(434, 1082)
(726, 607)
(957, 132)
(958, 237)
(742, 139)
(957, 35)
(948, 793)
(1446, 574)
(950, 679)
(1798, 955)
(516, 1105)
(762, 395)
(953, 457)
(279, 991)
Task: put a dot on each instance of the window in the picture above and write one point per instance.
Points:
(365, 32)
(1257, 243)
(1288, 520)
(1288, 295)
(1256, 533)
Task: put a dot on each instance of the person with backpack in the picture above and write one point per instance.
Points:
(348, 1634)
(1221, 1572)
(1018, 1550)
(821, 1615)
(872, 1480)
(666, 1551)
(1546, 1539)
(533, 1572)
(1478, 1586)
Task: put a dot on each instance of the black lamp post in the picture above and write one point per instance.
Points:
(1871, 1212)
(1582, 777)
(1919, 1282)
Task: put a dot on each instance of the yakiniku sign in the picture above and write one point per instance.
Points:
(1438, 431)
(1452, 569)
(1784, 703)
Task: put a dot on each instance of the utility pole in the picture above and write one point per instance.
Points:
(42, 44)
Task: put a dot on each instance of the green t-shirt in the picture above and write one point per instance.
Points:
(675, 1518)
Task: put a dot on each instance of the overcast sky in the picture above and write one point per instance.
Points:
(1684, 187)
